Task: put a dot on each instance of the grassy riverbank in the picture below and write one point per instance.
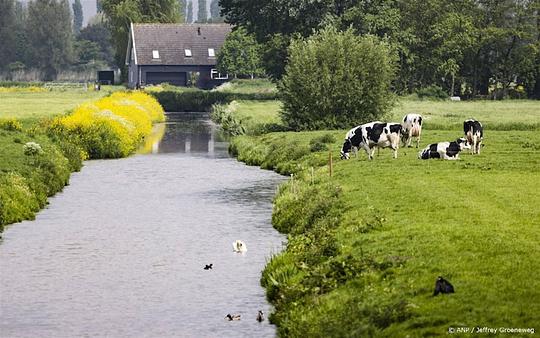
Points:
(36, 159)
(366, 245)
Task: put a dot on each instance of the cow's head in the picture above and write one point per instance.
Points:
(463, 143)
(346, 149)
(404, 134)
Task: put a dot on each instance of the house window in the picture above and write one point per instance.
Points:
(211, 52)
(215, 75)
(155, 54)
(187, 52)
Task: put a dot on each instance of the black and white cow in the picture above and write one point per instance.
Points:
(371, 135)
(474, 133)
(444, 150)
(411, 127)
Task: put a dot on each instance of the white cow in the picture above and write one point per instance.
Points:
(411, 127)
(372, 135)
(474, 133)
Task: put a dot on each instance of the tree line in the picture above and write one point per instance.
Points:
(44, 36)
(471, 48)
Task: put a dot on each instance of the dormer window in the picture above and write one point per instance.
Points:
(211, 52)
(155, 54)
(187, 52)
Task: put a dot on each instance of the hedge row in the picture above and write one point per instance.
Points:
(20, 84)
(202, 100)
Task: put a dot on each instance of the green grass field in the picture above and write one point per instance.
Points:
(365, 263)
(248, 86)
(29, 107)
(255, 113)
(495, 115)
(446, 115)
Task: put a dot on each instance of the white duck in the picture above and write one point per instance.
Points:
(239, 246)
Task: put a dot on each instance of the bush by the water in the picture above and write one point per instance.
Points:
(192, 99)
(37, 168)
(336, 80)
(111, 127)
(319, 143)
(432, 93)
(224, 116)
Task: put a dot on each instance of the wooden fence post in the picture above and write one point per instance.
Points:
(330, 163)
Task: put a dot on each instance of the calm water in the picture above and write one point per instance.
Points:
(120, 252)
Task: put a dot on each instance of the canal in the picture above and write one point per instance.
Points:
(121, 251)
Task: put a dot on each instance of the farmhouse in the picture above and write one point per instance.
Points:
(179, 54)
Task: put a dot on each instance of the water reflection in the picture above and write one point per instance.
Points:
(186, 133)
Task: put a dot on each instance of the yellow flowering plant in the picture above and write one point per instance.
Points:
(113, 126)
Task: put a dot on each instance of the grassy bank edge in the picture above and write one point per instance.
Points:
(60, 145)
(309, 208)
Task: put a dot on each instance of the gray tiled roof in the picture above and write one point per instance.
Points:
(172, 39)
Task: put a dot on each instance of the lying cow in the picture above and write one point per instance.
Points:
(372, 135)
(411, 127)
(474, 133)
(444, 150)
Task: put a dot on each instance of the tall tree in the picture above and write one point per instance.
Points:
(182, 5)
(202, 15)
(336, 79)
(189, 15)
(99, 33)
(121, 13)
(240, 55)
(21, 45)
(77, 16)
(282, 18)
(215, 11)
(50, 35)
(7, 32)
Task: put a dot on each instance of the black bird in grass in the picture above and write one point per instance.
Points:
(442, 286)
(260, 316)
(208, 266)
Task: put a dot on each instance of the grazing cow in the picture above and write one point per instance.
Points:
(444, 150)
(411, 127)
(372, 135)
(474, 133)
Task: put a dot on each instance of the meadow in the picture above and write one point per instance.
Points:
(366, 245)
(29, 107)
(445, 115)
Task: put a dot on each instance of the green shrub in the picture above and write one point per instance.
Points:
(17, 201)
(224, 116)
(319, 143)
(335, 80)
(20, 84)
(32, 149)
(300, 206)
(269, 128)
(196, 100)
(73, 153)
(432, 93)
